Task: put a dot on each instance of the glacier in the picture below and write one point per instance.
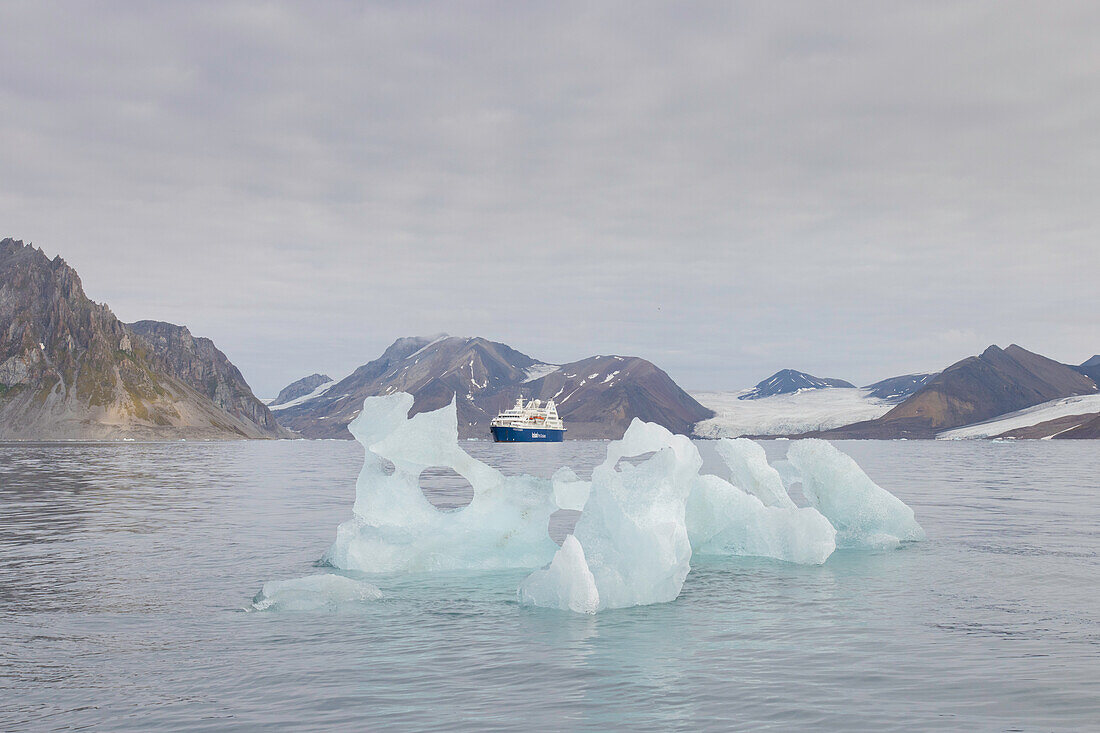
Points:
(645, 512)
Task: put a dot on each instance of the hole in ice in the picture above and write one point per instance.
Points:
(445, 488)
(635, 460)
(387, 465)
(561, 524)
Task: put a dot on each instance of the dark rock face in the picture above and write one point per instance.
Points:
(597, 397)
(201, 365)
(896, 389)
(1091, 368)
(788, 381)
(301, 388)
(1087, 430)
(70, 370)
(974, 389)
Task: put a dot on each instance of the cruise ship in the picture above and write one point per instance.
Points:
(530, 423)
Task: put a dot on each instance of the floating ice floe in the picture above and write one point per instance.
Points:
(645, 512)
(313, 592)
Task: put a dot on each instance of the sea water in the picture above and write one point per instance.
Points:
(127, 573)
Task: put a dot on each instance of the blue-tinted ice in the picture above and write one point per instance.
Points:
(641, 520)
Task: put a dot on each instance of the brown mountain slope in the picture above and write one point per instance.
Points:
(1088, 430)
(201, 365)
(598, 397)
(975, 389)
(70, 370)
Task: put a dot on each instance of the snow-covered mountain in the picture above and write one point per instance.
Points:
(596, 397)
(789, 381)
(300, 388)
(897, 389)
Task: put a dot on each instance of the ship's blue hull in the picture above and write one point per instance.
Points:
(526, 435)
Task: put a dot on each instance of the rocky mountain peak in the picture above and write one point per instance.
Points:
(788, 381)
(70, 369)
(597, 396)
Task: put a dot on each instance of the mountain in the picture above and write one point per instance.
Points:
(1087, 430)
(1058, 418)
(69, 369)
(596, 397)
(787, 381)
(1091, 368)
(300, 388)
(201, 365)
(896, 389)
(977, 388)
(599, 396)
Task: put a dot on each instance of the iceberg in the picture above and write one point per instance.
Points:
(394, 528)
(312, 593)
(630, 547)
(644, 513)
(724, 520)
(749, 471)
(754, 516)
(569, 491)
(566, 583)
(865, 515)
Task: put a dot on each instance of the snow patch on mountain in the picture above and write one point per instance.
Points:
(1052, 410)
(317, 392)
(538, 371)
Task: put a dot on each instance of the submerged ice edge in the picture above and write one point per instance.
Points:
(639, 527)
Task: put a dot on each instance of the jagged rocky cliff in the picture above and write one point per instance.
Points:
(597, 397)
(69, 369)
(200, 364)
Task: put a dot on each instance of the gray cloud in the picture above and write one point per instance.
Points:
(852, 189)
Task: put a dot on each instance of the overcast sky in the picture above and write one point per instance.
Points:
(857, 190)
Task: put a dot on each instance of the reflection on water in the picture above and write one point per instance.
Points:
(124, 569)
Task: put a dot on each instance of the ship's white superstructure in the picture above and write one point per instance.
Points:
(534, 414)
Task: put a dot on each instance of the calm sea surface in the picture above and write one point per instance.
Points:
(126, 569)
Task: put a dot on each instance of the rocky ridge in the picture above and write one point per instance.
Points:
(597, 397)
(996, 382)
(69, 369)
